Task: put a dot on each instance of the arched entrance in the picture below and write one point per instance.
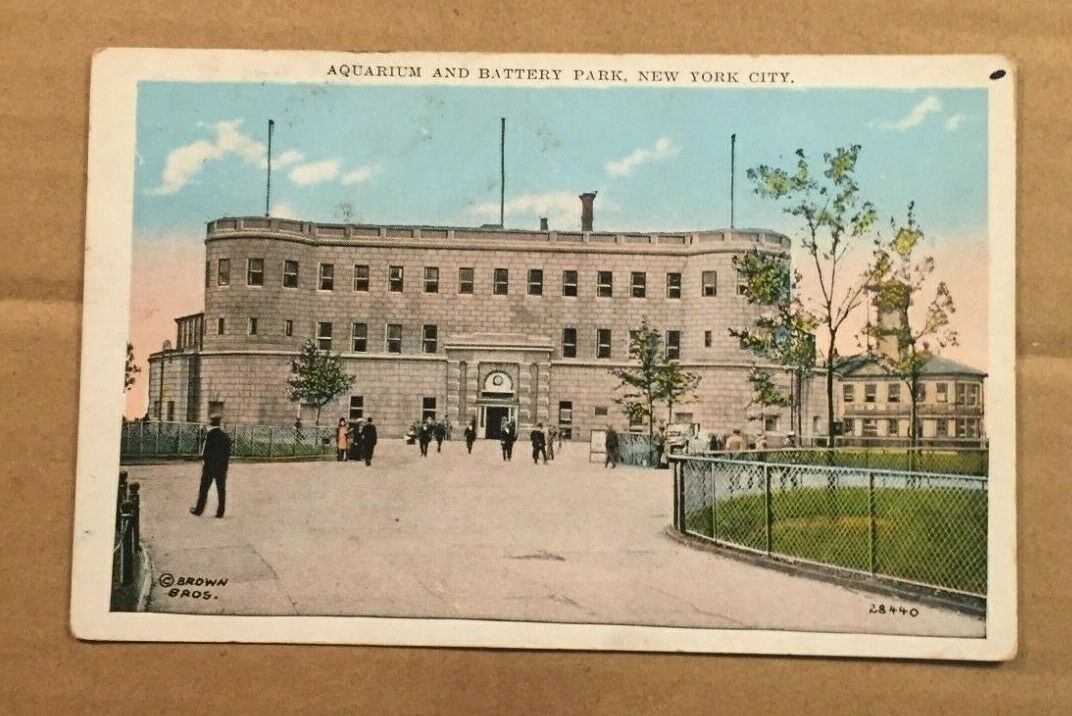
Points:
(497, 403)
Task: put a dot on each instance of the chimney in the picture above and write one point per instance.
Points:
(587, 200)
(543, 223)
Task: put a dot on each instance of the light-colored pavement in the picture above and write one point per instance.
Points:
(460, 536)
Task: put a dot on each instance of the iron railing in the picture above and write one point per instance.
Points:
(171, 439)
(636, 449)
(917, 527)
(126, 562)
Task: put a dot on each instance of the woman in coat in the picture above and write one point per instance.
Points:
(342, 437)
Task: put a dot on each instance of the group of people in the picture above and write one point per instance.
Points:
(544, 440)
(355, 441)
(424, 433)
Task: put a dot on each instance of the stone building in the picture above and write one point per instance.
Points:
(460, 323)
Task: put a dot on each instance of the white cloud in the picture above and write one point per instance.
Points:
(663, 148)
(315, 172)
(927, 106)
(561, 208)
(284, 160)
(361, 174)
(953, 121)
(285, 210)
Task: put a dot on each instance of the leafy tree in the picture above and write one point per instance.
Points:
(131, 370)
(766, 394)
(316, 377)
(897, 279)
(643, 379)
(674, 385)
(836, 220)
(784, 330)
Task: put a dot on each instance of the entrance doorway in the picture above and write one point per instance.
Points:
(495, 416)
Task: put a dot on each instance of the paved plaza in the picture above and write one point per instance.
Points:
(469, 536)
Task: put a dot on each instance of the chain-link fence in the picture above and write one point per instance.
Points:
(951, 461)
(636, 449)
(154, 439)
(918, 527)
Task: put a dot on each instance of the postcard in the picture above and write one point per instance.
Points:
(634, 352)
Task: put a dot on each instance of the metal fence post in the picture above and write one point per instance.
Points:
(120, 496)
(126, 551)
(770, 514)
(677, 498)
(871, 520)
(135, 503)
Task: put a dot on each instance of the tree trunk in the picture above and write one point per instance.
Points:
(830, 394)
(317, 422)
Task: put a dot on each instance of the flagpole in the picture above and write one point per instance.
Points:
(268, 188)
(502, 175)
(733, 172)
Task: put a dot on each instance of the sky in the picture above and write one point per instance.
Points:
(658, 158)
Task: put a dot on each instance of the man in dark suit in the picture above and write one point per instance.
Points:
(216, 456)
(368, 434)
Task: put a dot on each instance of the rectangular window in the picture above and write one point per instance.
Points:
(394, 338)
(465, 279)
(428, 409)
(673, 345)
(501, 282)
(430, 339)
(601, 411)
(395, 279)
(604, 284)
(921, 392)
(171, 411)
(357, 407)
(638, 284)
(846, 426)
(742, 283)
(255, 272)
(290, 274)
(569, 283)
(569, 342)
(603, 343)
(361, 277)
(327, 277)
(869, 428)
(967, 427)
(870, 392)
(288, 327)
(565, 419)
(770, 423)
(252, 326)
(893, 427)
(709, 283)
(673, 285)
(431, 279)
(323, 335)
(535, 282)
(707, 339)
(848, 393)
(359, 337)
(941, 392)
(223, 272)
(893, 393)
(967, 394)
(941, 428)
(220, 326)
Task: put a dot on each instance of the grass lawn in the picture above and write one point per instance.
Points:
(933, 536)
(958, 462)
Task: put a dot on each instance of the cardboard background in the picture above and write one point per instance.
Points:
(44, 74)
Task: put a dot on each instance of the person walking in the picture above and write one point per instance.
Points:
(509, 435)
(735, 442)
(342, 437)
(216, 457)
(424, 437)
(611, 445)
(660, 447)
(357, 441)
(470, 435)
(552, 436)
(368, 440)
(539, 444)
(440, 431)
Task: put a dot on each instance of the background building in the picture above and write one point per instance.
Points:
(459, 323)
